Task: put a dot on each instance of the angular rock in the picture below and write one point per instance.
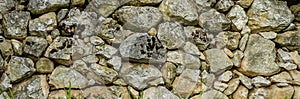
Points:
(115, 62)
(6, 48)
(260, 81)
(104, 92)
(288, 66)
(7, 5)
(105, 75)
(246, 81)
(212, 94)
(229, 40)
(259, 93)
(268, 35)
(61, 77)
(60, 50)
(139, 75)
(42, 25)
(158, 93)
(191, 48)
(186, 82)
(220, 86)
(183, 11)
(284, 56)
(243, 42)
(237, 58)
(283, 77)
(106, 51)
(296, 9)
(35, 46)
(289, 39)
(20, 68)
(184, 59)
(217, 60)
(5, 82)
(214, 21)
(17, 46)
(171, 35)
(44, 65)
(226, 76)
(244, 3)
(15, 24)
(103, 7)
(297, 92)
(198, 36)
(224, 5)
(296, 57)
(62, 94)
(139, 19)
(43, 6)
(238, 17)
(232, 86)
(141, 47)
(169, 73)
(95, 40)
(259, 57)
(62, 13)
(241, 93)
(204, 5)
(35, 87)
(228, 52)
(90, 59)
(207, 78)
(281, 92)
(261, 16)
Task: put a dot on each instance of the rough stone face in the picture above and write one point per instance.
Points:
(232, 86)
(204, 5)
(296, 9)
(184, 59)
(104, 92)
(61, 77)
(15, 24)
(260, 81)
(212, 94)
(243, 42)
(241, 93)
(35, 87)
(35, 46)
(220, 86)
(141, 47)
(169, 73)
(171, 35)
(7, 5)
(224, 5)
(107, 51)
(207, 78)
(115, 62)
(259, 57)
(182, 11)
(6, 48)
(198, 36)
(283, 77)
(281, 92)
(139, 75)
(191, 48)
(296, 57)
(226, 76)
(17, 46)
(268, 35)
(45, 23)
(62, 94)
(289, 39)
(297, 92)
(214, 21)
(217, 60)
(103, 7)
(244, 3)
(44, 65)
(20, 68)
(186, 82)
(229, 40)
(5, 82)
(237, 58)
(139, 19)
(246, 81)
(261, 16)
(105, 75)
(42, 6)
(238, 17)
(158, 93)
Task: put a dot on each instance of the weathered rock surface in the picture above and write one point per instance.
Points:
(259, 57)
(60, 50)
(261, 16)
(20, 68)
(241, 93)
(141, 47)
(158, 93)
(296, 9)
(171, 35)
(184, 59)
(217, 60)
(44, 65)
(7, 5)
(15, 24)
(105, 75)
(238, 17)
(260, 81)
(45, 23)
(139, 19)
(103, 7)
(186, 82)
(42, 6)
(35, 46)
(229, 40)
(214, 21)
(289, 39)
(224, 5)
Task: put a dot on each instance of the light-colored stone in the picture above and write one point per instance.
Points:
(104, 75)
(184, 59)
(158, 93)
(229, 40)
(42, 6)
(35, 45)
(226, 76)
(169, 73)
(232, 86)
(19, 68)
(244, 3)
(186, 82)
(220, 86)
(283, 77)
(224, 5)
(260, 81)
(42, 25)
(115, 62)
(171, 35)
(241, 93)
(288, 66)
(296, 57)
(44, 65)
(289, 39)
(268, 35)
(214, 21)
(191, 48)
(217, 60)
(237, 58)
(17, 46)
(15, 24)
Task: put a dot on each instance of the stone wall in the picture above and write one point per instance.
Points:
(150, 49)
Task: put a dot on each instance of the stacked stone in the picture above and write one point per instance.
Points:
(150, 49)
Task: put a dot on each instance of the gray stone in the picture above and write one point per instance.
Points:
(141, 47)
(62, 13)
(15, 24)
(158, 93)
(4, 95)
(204, 5)
(220, 86)
(207, 78)
(61, 77)
(244, 3)
(43, 6)
(184, 59)
(232, 86)
(212, 94)
(107, 51)
(17, 46)
(224, 5)
(243, 42)
(289, 39)
(6, 49)
(226, 76)
(214, 21)
(44, 65)
(296, 57)
(246, 81)
(34, 87)
(198, 36)
(95, 40)
(238, 17)
(191, 48)
(183, 11)
(288, 66)
(229, 40)
(241, 93)
(268, 35)
(42, 25)
(105, 75)
(20, 68)
(60, 50)
(169, 73)
(261, 16)
(103, 7)
(56, 94)
(7, 5)
(171, 35)
(186, 82)
(81, 49)
(142, 2)
(115, 62)
(35, 46)
(284, 56)
(259, 57)
(139, 19)
(139, 75)
(90, 59)
(283, 77)
(296, 9)
(237, 58)
(104, 92)
(217, 60)
(260, 81)
(5, 82)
